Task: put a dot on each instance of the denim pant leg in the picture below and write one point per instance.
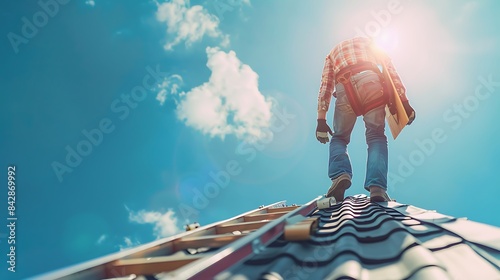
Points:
(343, 123)
(376, 167)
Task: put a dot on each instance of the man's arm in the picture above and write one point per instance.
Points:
(326, 88)
(401, 90)
(396, 79)
(324, 98)
(382, 57)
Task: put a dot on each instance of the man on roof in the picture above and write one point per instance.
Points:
(351, 68)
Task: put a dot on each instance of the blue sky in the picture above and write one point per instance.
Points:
(127, 119)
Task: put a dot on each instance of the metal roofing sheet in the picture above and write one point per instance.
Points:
(357, 239)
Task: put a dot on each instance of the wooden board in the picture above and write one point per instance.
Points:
(399, 120)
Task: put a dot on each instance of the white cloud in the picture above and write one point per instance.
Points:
(128, 243)
(165, 224)
(101, 239)
(169, 86)
(188, 24)
(90, 3)
(229, 103)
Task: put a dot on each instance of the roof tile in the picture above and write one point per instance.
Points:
(357, 239)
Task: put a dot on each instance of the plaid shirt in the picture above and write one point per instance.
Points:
(347, 53)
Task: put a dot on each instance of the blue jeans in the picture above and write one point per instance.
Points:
(368, 85)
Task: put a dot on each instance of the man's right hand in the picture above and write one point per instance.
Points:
(409, 111)
(322, 130)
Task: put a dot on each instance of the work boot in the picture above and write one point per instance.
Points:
(378, 194)
(339, 185)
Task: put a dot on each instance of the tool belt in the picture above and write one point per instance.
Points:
(344, 77)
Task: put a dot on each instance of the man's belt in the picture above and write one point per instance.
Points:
(345, 73)
(344, 77)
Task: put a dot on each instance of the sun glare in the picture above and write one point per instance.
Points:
(388, 41)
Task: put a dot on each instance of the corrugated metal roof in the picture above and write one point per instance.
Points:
(354, 239)
(357, 239)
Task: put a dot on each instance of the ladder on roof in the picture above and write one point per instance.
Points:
(203, 252)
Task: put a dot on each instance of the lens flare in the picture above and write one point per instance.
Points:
(388, 41)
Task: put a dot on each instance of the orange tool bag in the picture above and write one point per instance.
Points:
(344, 77)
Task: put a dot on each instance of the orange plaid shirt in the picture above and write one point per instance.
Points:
(347, 53)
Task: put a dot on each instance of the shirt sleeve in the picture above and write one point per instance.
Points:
(381, 56)
(398, 83)
(326, 88)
